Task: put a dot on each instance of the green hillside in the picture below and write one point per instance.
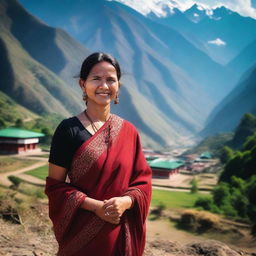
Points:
(11, 111)
(52, 47)
(27, 81)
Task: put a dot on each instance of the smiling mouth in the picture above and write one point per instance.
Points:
(103, 93)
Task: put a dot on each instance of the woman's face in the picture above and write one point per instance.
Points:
(101, 85)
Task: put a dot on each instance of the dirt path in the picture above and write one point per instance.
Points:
(6, 182)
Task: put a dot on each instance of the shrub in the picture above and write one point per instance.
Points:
(194, 186)
(204, 202)
(157, 212)
(228, 210)
(198, 221)
(15, 181)
(226, 154)
(221, 194)
(8, 208)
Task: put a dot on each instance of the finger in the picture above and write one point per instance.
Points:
(113, 214)
(109, 207)
(108, 210)
(108, 203)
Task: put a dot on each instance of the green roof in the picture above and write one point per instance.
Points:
(207, 155)
(166, 164)
(19, 133)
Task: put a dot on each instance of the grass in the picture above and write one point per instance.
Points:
(9, 163)
(32, 190)
(46, 155)
(40, 172)
(175, 199)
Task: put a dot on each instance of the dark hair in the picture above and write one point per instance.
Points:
(96, 58)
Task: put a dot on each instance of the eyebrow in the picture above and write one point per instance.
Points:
(98, 76)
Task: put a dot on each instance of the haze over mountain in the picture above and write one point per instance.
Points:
(169, 85)
(221, 33)
(132, 37)
(30, 78)
(226, 116)
(245, 60)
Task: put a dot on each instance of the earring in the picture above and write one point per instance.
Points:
(85, 97)
(116, 101)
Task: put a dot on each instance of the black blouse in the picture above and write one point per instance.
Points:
(68, 137)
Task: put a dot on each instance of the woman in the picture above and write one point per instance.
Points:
(102, 210)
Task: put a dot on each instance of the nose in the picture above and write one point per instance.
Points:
(104, 84)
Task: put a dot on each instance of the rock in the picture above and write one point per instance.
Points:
(205, 248)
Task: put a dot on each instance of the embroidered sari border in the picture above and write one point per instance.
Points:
(73, 202)
(83, 237)
(92, 150)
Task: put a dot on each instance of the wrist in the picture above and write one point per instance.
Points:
(91, 204)
(98, 205)
(128, 202)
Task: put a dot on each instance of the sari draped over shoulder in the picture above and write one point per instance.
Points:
(110, 164)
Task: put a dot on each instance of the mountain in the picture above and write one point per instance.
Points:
(168, 84)
(241, 100)
(212, 30)
(23, 78)
(134, 37)
(51, 47)
(245, 60)
(196, 13)
(34, 56)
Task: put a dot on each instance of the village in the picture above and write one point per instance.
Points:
(173, 170)
(24, 167)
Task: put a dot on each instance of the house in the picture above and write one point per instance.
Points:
(163, 168)
(206, 155)
(16, 141)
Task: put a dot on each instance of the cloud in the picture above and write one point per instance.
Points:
(243, 7)
(159, 7)
(217, 42)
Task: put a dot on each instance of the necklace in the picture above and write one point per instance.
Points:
(94, 127)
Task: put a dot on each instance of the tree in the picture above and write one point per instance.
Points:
(246, 127)
(251, 210)
(239, 202)
(226, 154)
(194, 186)
(250, 142)
(221, 194)
(19, 123)
(48, 136)
(2, 123)
(234, 167)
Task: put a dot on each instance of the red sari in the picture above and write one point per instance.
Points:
(110, 164)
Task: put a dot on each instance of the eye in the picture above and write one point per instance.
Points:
(111, 79)
(96, 78)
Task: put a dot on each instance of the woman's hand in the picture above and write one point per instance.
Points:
(101, 213)
(116, 206)
(97, 207)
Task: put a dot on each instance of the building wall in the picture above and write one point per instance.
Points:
(163, 173)
(6, 148)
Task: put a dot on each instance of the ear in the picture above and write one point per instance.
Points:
(82, 83)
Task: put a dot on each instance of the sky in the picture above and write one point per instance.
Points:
(243, 7)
